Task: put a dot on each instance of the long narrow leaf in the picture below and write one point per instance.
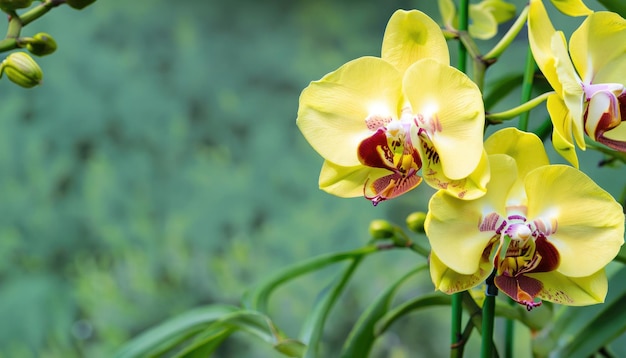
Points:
(429, 300)
(361, 338)
(257, 298)
(174, 331)
(314, 326)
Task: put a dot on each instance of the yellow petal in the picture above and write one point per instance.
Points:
(448, 281)
(469, 188)
(562, 129)
(346, 182)
(590, 222)
(333, 110)
(448, 13)
(411, 36)
(452, 224)
(599, 40)
(572, 7)
(540, 32)
(448, 95)
(572, 91)
(572, 291)
(618, 133)
(526, 148)
(484, 25)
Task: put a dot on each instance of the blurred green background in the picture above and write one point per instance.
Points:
(159, 168)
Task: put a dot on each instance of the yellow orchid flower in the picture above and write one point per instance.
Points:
(378, 121)
(589, 79)
(484, 16)
(547, 231)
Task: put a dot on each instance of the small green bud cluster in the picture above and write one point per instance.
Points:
(12, 5)
(41, 44)
(21, 69)
(79, 4)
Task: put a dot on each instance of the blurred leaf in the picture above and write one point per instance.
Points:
(361, 338)
(618, 6)
(419, 302)
(257, 298)
(621, 255)
(174, 331)
(206, 343)
(582, 331)
(313, 328)
(501, 87)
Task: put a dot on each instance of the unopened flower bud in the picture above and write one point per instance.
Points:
(381, 229)
(11, 5)
(21, 69)
(79, 4)
(415, 222)
(42, 44)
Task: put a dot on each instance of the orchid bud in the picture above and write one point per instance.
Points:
(41, 44)
(79, 4)
(22, 70)
(11, 5)
(381, 229)
(415, 222)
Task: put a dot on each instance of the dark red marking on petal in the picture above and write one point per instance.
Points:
(369, 151)
(522, 289)
(549, 256)
(391, 186)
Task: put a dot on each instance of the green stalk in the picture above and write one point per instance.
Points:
(527, 88)
(457, 298)
(489, 314)
(509, 333)
(508, 38)
(519, 110)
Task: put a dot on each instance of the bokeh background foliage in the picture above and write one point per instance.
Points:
(159, 168)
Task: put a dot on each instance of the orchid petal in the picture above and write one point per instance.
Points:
(599, 40)
(411, 36)
(590, 222)
(484, 25)
(469, 188)
(452, 225)
(347, 182)
(540, 32)
(527, 150)
(333, 110)
(572, 7)
(562, 134)
(572, 291)
(615, 138)
(448, 281)
(448, 13)
(448, 97)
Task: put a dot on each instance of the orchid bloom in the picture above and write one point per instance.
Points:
(572, 7)
(589, 79)
(378, 121)
(546, 231)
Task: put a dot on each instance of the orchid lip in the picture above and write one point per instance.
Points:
(522, 247)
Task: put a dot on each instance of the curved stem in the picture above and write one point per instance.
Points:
(527, 87)
(39, 10)
(508, 38)
(521, 109)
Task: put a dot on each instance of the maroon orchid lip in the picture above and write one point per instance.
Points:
(523, 249)
(390, 148)
(613, 112)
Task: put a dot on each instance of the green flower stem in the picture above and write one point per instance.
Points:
(463, 25)
(521, 109)
(509, 333)
(15, 25)
(508, 38)
(489, 310)
(527, 87)
(457, 298)
(39, 10)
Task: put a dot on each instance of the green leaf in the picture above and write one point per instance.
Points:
(361, 338)
(500, 88)
(205, 343)
(621, 255)
(425, 301)
(174, 331)
(582, 331)
(618, 6)
(257, 298)
(314, 326)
